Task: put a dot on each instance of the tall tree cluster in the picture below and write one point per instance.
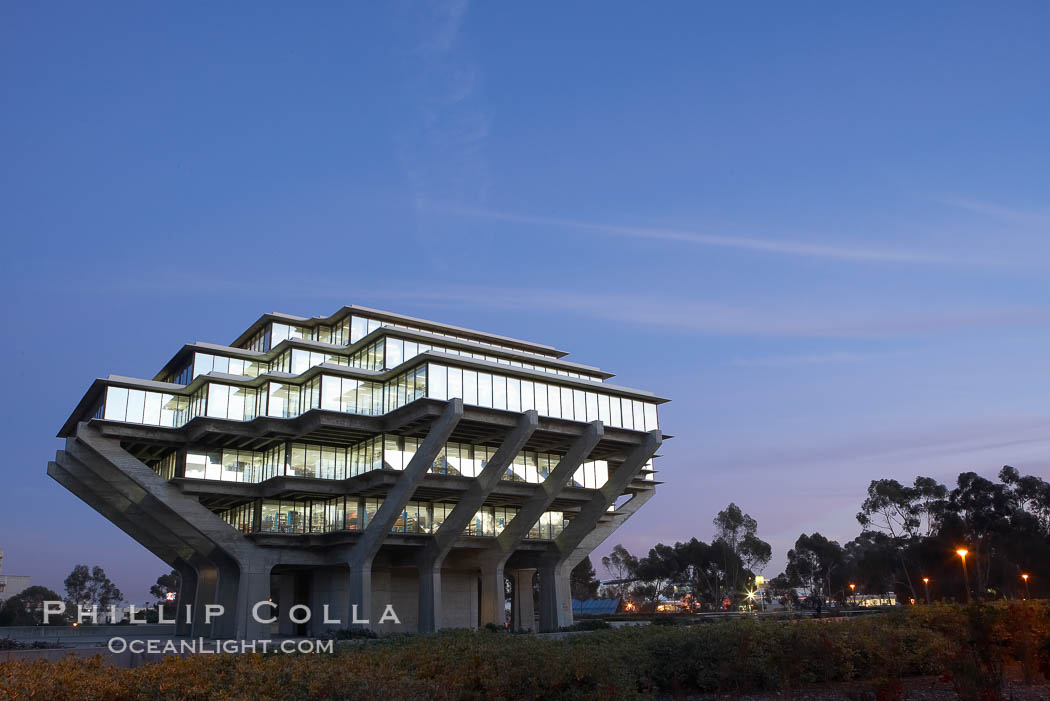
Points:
(713, 572)
(91, 587)
(911, 534)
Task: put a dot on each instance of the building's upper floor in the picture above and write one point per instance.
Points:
(363, 361)
(352, 323)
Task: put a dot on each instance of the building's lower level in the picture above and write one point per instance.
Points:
(415, 542)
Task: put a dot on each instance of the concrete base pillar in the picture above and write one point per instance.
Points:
(493, 595)
(429, 597)
(286, 599)
(328, 599)
(522, 604)
(548, 600)
(563, 598)
(555, 598)
(186, 595)
(225, 626)
(253, 587)
(360, 596)
(207, 591)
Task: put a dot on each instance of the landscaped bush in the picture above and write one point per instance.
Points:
(588, 624)
(7, 643)
(737, 656)
(349, 634)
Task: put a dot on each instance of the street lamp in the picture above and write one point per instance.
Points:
(1028, 594)
(926, 584)
(962, 553)
(853, 593)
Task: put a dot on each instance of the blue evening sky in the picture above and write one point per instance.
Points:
(820, 228)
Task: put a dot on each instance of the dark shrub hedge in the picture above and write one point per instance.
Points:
(969, 646)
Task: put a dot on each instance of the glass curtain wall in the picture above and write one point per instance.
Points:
(301, 516)
(350, 330)
(143, 407)
(387, 451)
(515, 394)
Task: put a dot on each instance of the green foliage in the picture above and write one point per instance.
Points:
(912, 532)
(743, 655)
(588, 624)
(583, 580)
(91, 587)
(621, 564)
(350, 634)
(812, 563)
(10, 644)
(165, 583)
(26, 608)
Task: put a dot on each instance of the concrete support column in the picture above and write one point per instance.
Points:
(100, 495)
(382, 580)
(429, 597)
(360, 591)
(364, 551)
(225, 626)
(207, 590)
(548, 598)
(595, 538)
(253, 587)
(555, 597)
(176, 527)
(286, 593)
(329, 590)
(493, 594)
(584, 533)
(524, 614)
(533, 508)
(186, 595)
(327, 600)
(438, 547)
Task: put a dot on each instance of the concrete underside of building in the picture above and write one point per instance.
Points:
(370, 576)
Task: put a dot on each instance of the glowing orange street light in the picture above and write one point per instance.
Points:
(853, 592)
(926, 584)
(962, 553)
(1028, 594)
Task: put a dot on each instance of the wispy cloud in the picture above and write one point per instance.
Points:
(441, 148)
(829, 319)
(997, 211)
(832, 358)
(758, 320)
(939, 450)
(444, 19)
(760, 245)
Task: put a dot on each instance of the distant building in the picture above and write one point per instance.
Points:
(10, 585)
(887, 599)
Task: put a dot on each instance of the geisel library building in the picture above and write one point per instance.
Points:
(365, 459)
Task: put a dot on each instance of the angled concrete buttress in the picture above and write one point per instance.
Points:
(566, 551)
(494, 559)
(469, 503)
(231, 570)
(364, 551)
